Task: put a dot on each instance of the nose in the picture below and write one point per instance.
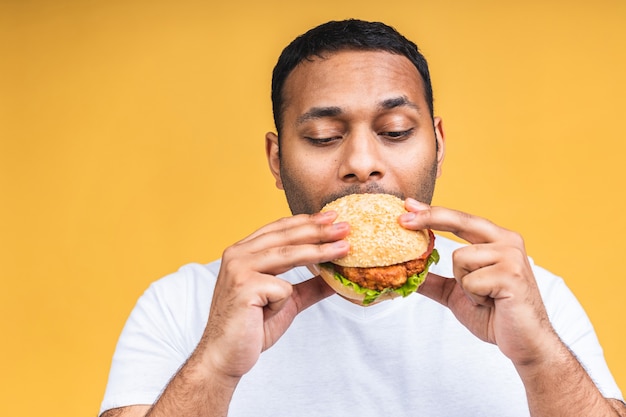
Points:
(361, 159)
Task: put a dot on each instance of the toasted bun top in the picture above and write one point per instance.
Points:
(376, 238)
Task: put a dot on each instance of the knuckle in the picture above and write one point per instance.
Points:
(324, 233)
(228, 254)
(456, 255)
(517, 271)
(517, 265)
(284, 251)
(284, 220)
(515, 239)
(232, 263)
(230, 266)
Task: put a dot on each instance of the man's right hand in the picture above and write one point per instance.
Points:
(251, 308)
(250, 311)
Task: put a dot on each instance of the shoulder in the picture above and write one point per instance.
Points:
(193, 274)
(177, 287)
(177, 301)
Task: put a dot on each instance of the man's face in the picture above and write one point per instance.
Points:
(355, 122)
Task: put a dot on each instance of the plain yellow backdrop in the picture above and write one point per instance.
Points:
(131, 142)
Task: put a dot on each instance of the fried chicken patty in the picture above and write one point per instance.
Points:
(382, 277)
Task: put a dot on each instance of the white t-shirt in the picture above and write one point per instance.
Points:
(404, 357)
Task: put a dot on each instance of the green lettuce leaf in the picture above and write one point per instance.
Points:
(409, 287)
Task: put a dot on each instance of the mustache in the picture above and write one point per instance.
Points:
(372, 188)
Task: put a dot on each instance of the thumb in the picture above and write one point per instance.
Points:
(437, 288)
(310, 292)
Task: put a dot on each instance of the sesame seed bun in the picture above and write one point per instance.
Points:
(376, 238)
(378, 245)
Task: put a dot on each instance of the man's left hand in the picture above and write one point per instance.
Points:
(494, 292)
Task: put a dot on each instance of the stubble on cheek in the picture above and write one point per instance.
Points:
(426, 187)
(295, 191)
(304, 198)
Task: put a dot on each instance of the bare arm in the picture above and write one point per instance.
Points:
(619, 406)
(250, 311)
(131, 411)
(495, 295)
(559, 386)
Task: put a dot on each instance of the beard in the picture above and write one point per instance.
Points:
(302, 201)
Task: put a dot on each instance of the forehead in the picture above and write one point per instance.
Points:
(346, 78)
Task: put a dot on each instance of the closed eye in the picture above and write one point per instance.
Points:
(396, 135)
(321, 141)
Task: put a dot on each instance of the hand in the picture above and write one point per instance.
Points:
(251, 308)
(494, 292)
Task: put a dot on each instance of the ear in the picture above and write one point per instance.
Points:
(440, 136)
(273, 159)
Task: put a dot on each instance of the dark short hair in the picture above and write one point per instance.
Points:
(351, 34)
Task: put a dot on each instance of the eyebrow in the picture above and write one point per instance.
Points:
(319, 113)
(315, 113)
(392, 103)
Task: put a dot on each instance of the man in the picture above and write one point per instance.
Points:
(259, 333)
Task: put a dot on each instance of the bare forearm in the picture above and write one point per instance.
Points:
(560, 386)
(194, 392)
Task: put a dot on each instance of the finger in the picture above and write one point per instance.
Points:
(277, 260)
(310, 292)
(493, 283)
(442, 290)
(276, 294)
(293, 221)
(498, 281)
(297, 233)
(448, 292)
(471, 228)
(473, 257)
(470, 264)
(305, 294)
(437, 288)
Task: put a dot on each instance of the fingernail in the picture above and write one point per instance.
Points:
(324, 217)
(416, 205)
(340, 226)
(407, 217)
(340, 244)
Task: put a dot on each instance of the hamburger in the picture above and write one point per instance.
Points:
(385, 259)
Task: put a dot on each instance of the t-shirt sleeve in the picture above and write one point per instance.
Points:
(575, 329)
(155, 342)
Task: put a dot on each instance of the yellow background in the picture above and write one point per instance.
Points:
(132, 143)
